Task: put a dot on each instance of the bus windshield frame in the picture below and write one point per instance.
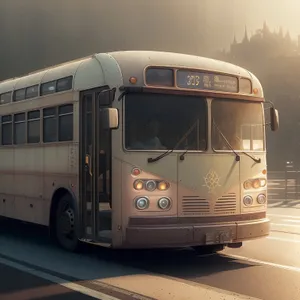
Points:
(242, 124)
(151, 113)
(150, 119)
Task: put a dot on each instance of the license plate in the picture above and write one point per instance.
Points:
(218, 237)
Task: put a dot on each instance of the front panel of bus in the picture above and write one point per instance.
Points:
(193, 169)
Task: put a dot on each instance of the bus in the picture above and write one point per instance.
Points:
(137, 149)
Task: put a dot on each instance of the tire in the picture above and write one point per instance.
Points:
(65, 224)
(211, 249)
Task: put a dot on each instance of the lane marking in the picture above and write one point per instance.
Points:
(291, 221)
(161, 287)
(283, 216)
(283, 239)
(285, 225)
(261, 262)
(69, 285)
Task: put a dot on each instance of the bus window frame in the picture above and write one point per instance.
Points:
(125, 150)
(240, 151)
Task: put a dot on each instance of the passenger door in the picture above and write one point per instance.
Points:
(95, 173)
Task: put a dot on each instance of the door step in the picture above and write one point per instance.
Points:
(103, 235)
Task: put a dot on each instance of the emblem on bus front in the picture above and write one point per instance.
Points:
(212, 180)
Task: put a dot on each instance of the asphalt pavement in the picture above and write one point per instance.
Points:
(269, 268)
(17, 285)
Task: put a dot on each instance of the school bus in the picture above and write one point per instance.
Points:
(137, 149)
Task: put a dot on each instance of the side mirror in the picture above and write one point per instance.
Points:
(274, 116)
(109, 118)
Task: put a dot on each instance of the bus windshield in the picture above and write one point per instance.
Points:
(241, 122)
(163, 122)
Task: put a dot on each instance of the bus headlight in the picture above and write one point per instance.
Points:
(138, 185)
(255, 183)
(163, 185)
(261, 199)
(150, 185)
(247, 185)
(164, 203)
(248, 200)
(263, 182)
(142, 203)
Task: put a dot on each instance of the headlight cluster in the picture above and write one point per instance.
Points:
(261, 199)
(143, 203)
(255, 183)
(150, 185)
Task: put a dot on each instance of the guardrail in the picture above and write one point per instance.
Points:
(284, 185)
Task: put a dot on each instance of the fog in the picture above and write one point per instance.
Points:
(37, 33)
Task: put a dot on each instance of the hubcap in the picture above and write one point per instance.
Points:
(66, 223)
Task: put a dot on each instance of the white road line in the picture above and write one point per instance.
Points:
(283, 239)
(72, 286)
(291, 221)
(283, 216)
(166, 287)
(285, 225)
(261, 262)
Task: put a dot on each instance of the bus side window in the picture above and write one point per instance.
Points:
(6, 122)
(65, 122)
(50, 125)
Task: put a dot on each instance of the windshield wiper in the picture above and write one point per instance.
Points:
(151, 160)
(181, 157)
(257, 160)
(237, 157)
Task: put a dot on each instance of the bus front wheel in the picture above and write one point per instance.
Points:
(65, 224)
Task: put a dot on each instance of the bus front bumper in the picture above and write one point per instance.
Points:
(195, 235)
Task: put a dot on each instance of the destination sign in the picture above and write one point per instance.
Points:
(206, 81)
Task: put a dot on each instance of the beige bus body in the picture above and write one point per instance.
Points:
(206, 189)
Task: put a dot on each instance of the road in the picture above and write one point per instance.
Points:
(32, 268)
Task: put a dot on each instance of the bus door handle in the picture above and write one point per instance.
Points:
(88, 165)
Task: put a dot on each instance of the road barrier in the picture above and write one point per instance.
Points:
(284, 185)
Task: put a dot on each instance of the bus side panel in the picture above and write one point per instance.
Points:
(22, 184)
(30, 176)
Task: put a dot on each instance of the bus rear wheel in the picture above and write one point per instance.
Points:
(211, 249)
(65, 232)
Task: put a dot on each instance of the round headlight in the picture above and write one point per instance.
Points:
(138, 185)
(261, 199)
(150, 185)
(256, 183)
(164, 203)
(248, 200)
(163, 185)
(263, 182)
(247, 185)
(142, 203)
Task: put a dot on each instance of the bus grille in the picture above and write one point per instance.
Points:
(226, 204)
(192, 206)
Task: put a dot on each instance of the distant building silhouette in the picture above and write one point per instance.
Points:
(275, 58)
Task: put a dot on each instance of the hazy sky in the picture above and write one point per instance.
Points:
(238, 13)
(73, 28)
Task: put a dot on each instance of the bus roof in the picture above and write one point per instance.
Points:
(131, 63)
(144, 58)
